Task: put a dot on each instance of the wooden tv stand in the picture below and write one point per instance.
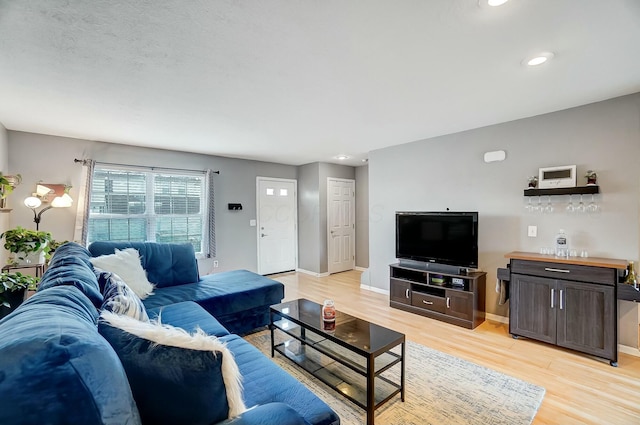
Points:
(458, 299)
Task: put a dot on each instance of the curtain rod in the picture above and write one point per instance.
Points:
(76, 160)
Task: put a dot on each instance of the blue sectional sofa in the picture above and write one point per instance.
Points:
(239, 299)
(56, 368)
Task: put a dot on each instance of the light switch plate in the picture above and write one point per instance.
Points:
(532, 231)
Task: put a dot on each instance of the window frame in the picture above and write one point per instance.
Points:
(150, 216)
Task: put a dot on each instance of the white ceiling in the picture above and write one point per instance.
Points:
(301, 81)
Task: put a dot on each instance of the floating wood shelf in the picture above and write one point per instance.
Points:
(581, 190)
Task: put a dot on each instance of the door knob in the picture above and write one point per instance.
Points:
(263, 235)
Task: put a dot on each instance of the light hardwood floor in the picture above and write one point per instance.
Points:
(580, 389)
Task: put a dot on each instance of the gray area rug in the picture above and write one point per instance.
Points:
(440, 389)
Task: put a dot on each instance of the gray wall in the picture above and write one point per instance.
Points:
(312, 210)
(449, 172)
(362, 216)
(50, 159)
(309, 217)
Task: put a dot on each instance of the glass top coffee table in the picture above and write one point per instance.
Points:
(351, 359)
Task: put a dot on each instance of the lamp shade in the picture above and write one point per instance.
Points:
(32, 202)
(63, 201)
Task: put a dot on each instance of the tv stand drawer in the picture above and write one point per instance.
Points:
(428, 302)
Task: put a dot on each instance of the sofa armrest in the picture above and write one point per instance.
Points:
(267, 414)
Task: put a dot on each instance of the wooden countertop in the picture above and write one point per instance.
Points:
(610, 263)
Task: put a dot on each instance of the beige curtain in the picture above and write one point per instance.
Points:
(82, 213)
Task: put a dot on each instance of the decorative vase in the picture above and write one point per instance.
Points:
(24, 258)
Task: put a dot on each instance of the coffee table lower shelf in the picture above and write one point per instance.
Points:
(339, 377)
(362, 361)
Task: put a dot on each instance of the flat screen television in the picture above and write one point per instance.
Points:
(447, 237)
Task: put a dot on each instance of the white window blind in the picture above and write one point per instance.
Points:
(148, 205)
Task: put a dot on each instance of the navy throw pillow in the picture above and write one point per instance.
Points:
(176, 378)
(118, 297)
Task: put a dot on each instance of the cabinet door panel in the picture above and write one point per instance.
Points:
(586, 318)
(460, 305)
(532, 312)
(400, 291)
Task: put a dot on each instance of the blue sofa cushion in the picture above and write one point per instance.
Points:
(223, 293)
(188, 316)
(175, 377)
(56, 369)
(268, 414)
(166, 264)
(262, 372)
(70, 266)
(118, 297)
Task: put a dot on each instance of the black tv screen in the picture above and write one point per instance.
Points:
(449, 237)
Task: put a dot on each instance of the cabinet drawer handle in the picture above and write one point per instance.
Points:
(448, 302)
(551, 269)
(427, 302)
(553, 295)
(406, 294)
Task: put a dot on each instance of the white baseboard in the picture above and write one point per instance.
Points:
(312, 273)
(632, 351)
(496, 318)
(374, 289)
(361, 269)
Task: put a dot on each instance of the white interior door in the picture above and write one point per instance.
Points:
(277, 225)
(341, 229)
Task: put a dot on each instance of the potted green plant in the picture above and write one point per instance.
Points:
(592, 178)
(51, 248)
(27, 246)
(7, 184)
(12, 289)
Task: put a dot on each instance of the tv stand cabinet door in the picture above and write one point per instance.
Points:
(400, 291)
(459, 304)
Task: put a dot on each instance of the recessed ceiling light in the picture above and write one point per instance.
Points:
(365, 160)
(538, 59)
(341, 157)
(496, 2)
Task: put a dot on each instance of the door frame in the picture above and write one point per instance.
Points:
(295, 221)
(353, 218)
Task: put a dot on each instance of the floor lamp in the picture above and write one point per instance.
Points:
(61, 200)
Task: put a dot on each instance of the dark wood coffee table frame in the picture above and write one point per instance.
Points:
(356, 345)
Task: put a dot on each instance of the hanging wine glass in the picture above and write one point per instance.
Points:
(571, 208)
(593, 207)
(538, 208)
(581, 208)
(548, 209)
(529, 206)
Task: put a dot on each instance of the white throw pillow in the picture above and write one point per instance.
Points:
(126, 264)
